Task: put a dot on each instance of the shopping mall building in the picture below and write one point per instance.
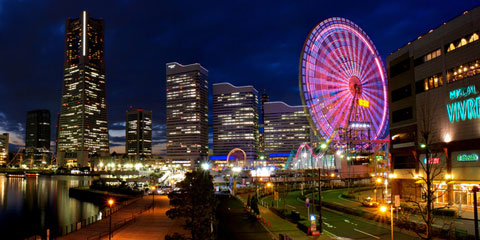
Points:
(434, 97)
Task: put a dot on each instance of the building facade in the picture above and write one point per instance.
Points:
(187, 114)
(138, 134)
(286, 128)
(4, 141)
(37, 138)
(83, 124)
(235, 120)
(434, 96)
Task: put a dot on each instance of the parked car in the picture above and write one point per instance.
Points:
(368, 202)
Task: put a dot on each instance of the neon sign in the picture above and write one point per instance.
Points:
(465, 109)
(435, 160)
(472, 157)
(363, 103)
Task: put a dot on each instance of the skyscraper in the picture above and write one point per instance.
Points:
(4, 138)
(261, 134)
(235, 120)
(83, 126)
(37, 137)
(138, 136)
(187, 114)
(286, 127)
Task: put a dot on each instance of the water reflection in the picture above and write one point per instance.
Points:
(30, 206)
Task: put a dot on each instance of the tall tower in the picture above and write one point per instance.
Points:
(138, 136)
(235, 120)
(37, 137)
(4, 139)
(83, 125)
(187, 114)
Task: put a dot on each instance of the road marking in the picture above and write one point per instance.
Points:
(331, 234)
(368, 234)
(291, 206)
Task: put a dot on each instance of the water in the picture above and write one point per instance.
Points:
(30, 206)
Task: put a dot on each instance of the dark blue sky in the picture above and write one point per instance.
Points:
(243, 42)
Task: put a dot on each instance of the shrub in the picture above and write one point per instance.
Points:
(445, 212)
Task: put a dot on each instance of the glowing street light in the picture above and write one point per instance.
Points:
(205, 166)
(379, 180)
(269, 184)
(323, 146)
(422, 145)
(110, 204)
(153, 198)
(383, 209)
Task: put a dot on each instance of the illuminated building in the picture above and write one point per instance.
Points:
(187, 114)
(138, 135)
(4, 148)
(286, 127)
(83, 126)
(37, 137)
(235, 119)
(434, 85)
(261, 134)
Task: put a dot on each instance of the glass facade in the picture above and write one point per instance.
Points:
(83, 126)
(4, 139)
(286, 127)
(138, 136)
(37, 138)
(235, 120)
(187, 114)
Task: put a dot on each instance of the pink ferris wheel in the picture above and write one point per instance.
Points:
(342, 80)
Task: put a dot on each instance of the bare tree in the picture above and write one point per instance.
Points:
(431, 168)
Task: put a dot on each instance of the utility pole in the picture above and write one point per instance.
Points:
(320, 221)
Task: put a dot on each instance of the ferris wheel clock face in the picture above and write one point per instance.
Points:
(340, 67)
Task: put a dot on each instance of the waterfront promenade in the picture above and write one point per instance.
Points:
(135, 221)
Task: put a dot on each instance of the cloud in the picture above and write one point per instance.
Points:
(16, 131)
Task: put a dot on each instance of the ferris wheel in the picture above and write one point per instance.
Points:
(342, 80)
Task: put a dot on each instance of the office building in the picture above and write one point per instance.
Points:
(434, 98)
(235, 120)
(286, 128)
(187, 114)
(138, 134)
(37, 138)
(4, 148)
(83, 126)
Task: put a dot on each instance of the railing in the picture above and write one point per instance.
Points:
(67, 229)
(121, 224)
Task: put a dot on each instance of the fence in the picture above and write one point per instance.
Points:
(66, 229)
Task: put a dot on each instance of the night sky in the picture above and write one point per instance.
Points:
(242, 42)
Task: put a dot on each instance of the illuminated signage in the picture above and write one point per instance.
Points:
(464, 109)
(467, 157)
(434, 160)
(363, 103)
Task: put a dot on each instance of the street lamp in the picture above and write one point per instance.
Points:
(110, 203)
(153, 198)
(205, 166)
(383, 209)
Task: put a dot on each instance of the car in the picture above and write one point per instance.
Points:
(368, 202)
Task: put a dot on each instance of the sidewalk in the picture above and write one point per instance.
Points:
(101, 228)
(152, 224)
(277, 225)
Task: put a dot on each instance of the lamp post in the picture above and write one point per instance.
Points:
(475, 210)
(383, 209)
(153, 198)
(110, 203)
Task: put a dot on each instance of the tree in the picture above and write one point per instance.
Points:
(254, 205)
(430, 168)
(196, 203)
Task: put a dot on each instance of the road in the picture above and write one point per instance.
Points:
(341, 225)
(235, 223)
